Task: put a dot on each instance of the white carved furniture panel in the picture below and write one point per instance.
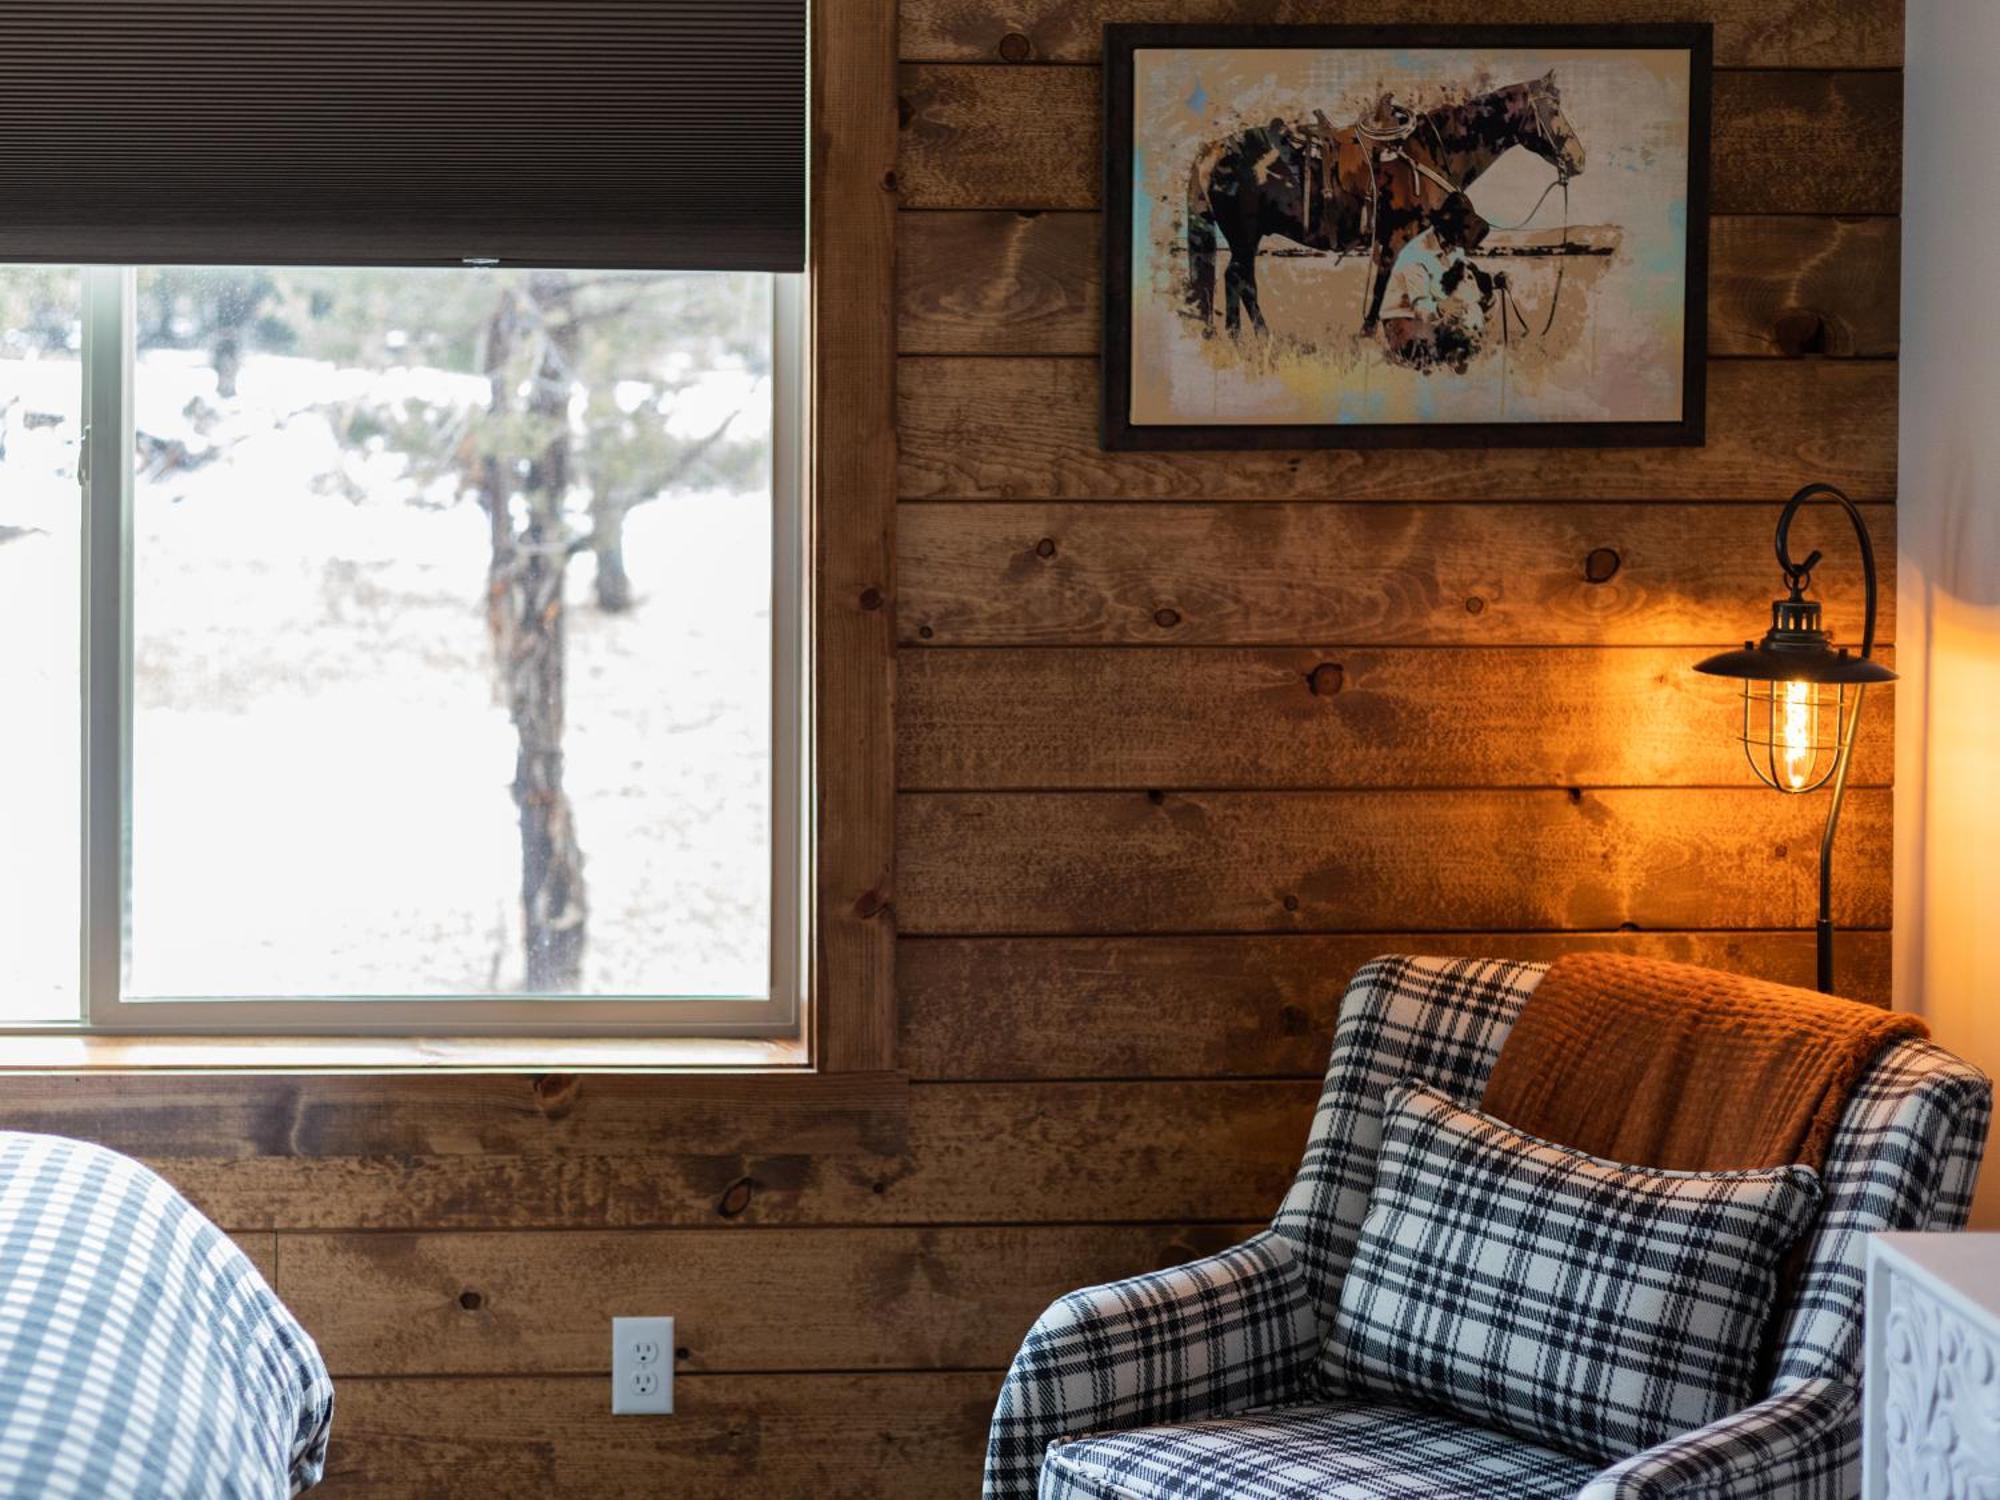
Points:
(1932, 1388)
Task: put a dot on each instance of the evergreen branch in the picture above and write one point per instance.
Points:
(682, 467)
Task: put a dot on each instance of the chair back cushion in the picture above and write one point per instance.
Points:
(1905, 1156)
(1575, 1302)
(1437, 1020)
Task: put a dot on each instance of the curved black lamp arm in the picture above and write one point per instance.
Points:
(1799, 575)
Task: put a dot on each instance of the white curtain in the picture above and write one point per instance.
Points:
(1948, 529)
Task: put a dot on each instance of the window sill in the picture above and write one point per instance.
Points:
(75, 1052)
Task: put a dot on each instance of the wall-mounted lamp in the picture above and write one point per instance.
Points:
(1802, 697)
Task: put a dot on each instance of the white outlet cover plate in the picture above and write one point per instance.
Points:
(642, 1367)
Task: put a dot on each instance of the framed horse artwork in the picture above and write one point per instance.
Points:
(1405, 236)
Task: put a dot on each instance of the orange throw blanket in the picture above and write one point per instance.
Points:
(1666, 1065)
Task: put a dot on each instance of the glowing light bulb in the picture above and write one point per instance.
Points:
(1798, 734)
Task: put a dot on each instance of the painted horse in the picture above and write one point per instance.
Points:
(1373, 186)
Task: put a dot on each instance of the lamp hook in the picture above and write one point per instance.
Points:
(1799, 574)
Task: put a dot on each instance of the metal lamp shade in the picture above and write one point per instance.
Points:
(1800, 696)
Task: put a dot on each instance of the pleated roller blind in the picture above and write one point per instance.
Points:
(624, 133)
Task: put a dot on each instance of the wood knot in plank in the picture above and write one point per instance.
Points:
(735, 1198)
(1014, 48)
(870, 905)
(1165, 618)
(1326, 679)
(1046, 547)
(1602, 565)
(470, 1300)
(556, 1093)
(1799, 332)
(871, 598)
(1475, 605)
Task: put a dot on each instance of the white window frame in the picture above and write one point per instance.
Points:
(105, 473)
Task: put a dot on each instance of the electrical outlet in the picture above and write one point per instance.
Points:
(642, 1367)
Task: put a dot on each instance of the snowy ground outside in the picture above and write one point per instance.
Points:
(320, 768)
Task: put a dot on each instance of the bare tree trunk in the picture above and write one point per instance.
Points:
(607, 524)
(526, 573)
(607, 542)
(552, 891)
(496, 485)
(234, 309)
(228, 362)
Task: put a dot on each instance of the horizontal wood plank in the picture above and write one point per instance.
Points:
(1026, 429)
(978, 720)
(262, 1252)
(1201, 1007)
(1807, 143)
(243, 1117)
(1185, 862)
(796, 1299)
(1302, 574)
(996, 282)
(1748, 33)
(991, 1151)
(973, 1153)
(1027, 137)
(775, 1437)
(1790, 285)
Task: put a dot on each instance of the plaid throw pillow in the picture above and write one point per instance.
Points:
(1572, 1301)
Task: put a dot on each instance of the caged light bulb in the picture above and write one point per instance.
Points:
(1798, 734)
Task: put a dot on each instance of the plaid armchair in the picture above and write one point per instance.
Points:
(1200, 1382)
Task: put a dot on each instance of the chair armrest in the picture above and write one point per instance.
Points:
(1797, 1445)
(1215, 1336)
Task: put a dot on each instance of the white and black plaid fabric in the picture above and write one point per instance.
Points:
(1578, 1303)
(1906, 1156)
(1801, 1444)
(1440, 1021)
(141, 1355)
(1242, 1330)
(1313, 1452)
(1225, 1334)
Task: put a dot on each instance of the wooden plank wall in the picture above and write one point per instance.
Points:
(1180, 742)
(1161, 714)
(1184, 738)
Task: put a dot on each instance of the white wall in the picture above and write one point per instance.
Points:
(1948, 528)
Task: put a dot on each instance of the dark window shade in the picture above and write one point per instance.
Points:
(660, 133)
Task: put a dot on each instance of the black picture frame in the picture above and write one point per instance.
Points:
(1118, 432)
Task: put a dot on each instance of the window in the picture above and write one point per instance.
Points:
(440, 663)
